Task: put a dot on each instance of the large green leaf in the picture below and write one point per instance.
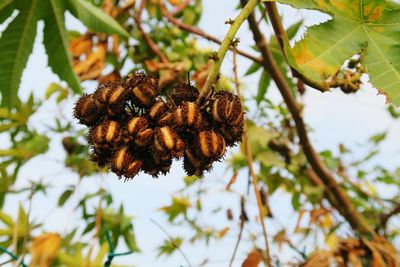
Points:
(6, 9)
(95, 19)
(356, 24)
(56, 43)
(16, 44)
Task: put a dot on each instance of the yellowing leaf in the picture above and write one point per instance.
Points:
(332, 241)
(44, 249)
(220, 234)
(175, 2)
(326, 221)
(356, 25)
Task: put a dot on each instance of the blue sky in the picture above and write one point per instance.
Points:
(334, 118)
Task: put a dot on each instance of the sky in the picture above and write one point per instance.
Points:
(333, 117)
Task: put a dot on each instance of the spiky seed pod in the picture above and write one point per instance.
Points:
(163, 163)
(165, 120)
(157, 110)
(137, 124)
(144, 94)
(100, 156)
(227, 108)
(195, 165)
(111, 97)
(133, 79)
(123, 163)
(108, 132)
(144, 137)
(211, 144)
(138, 132)
(184, 92)
(188, 115)
(86, 110)
(166, 141)
(232, 134)
(133, 168)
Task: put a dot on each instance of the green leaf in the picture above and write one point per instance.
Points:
(6, 219)
(95, 19)
(5, 3)
(53, 88)
(293, 29)
(16, 45)
(356, 26)
(6, 9)
(252, 69)
(170, 246)
(57, 47)
(64, 197)
(178, 206)
(377, 138)
(130, 240)
(259, 137)
(296, 200)
(262, 86)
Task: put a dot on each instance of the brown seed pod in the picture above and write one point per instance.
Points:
(211, 144)
(100, 156)
(144, 94)
(166, 120)
(158, 110)
(188, 115)
(167, 141)
(232, 134)
(194, 165)
(108, 132)
(227, 108)
(123, 163)
(111, 97)
(184, 92)
(154, 164)
(138, 132)
(86, 110)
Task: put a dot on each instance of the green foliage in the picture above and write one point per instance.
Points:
(170, 246)
(95, 19)
(17, 40)
(370, 28)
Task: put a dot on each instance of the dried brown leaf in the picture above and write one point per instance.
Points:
(253, 259)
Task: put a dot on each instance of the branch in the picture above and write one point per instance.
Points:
(385, 217)
(243, 216)
(356, 220)
(282, 39)
(199, 32)
(153, 47)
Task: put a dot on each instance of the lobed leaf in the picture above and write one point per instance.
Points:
(356, 26)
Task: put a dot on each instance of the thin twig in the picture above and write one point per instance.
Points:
(152, 45)
(172, 242)
(201, 33)
(237, 242)
(257, 193)
(356, 220)
(385, 217)
(13, 256)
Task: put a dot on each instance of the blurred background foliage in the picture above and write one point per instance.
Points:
(160, 38)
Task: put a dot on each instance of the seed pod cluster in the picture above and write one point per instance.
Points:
(132, 128)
